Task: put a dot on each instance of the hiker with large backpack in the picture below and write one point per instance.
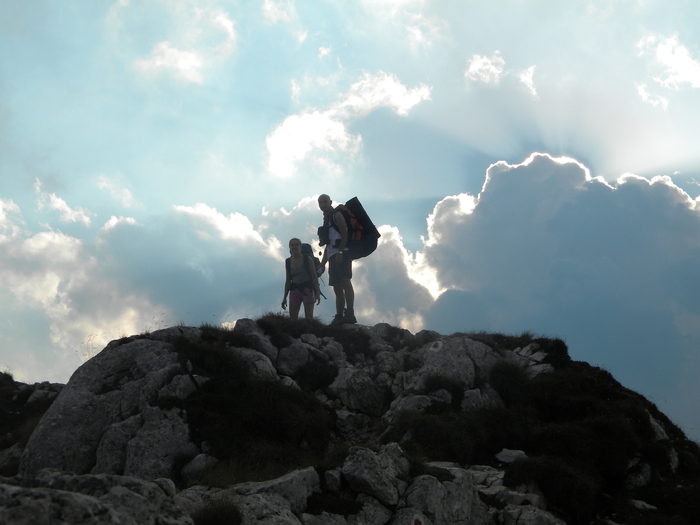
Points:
(301, 283)
(347, 234)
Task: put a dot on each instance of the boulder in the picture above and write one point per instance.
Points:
(528, 515)
(372, 513)
(55, 497)
(257, 363)
(294, 487)
(446, 359)
(356, 389)
(291, 358)
(376, 474)
(410, 517)
(258, 339)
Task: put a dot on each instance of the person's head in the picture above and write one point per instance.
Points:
(325, 203)
(294, 246)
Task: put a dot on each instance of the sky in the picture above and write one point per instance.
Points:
(531, 165)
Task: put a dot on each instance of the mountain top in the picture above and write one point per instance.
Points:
(302, 421)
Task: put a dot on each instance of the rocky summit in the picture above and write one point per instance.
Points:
(282, 422)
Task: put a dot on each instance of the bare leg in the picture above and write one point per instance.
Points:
(294, 311)
(309, 311)
(349, 292)
(339, 299)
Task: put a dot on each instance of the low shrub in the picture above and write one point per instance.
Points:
(320, 502)
(570, 489)
(510, 381)
(454, 387)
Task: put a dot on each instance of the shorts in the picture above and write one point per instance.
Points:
(305, 296)
(336, 271)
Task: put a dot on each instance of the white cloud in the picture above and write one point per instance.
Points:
(67, 214)
(208, 38)
(114, 222)
(679, 67)
(323, 51)
(654, 100)
(280, 11)
(326, 131)
(484, 69)
(185, 64)
(526, 77)
(123, 195)
(234, 227)
(423, 31)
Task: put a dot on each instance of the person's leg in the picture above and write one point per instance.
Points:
(309, 300)
(294, 310)
(349, 293)
(339, 299)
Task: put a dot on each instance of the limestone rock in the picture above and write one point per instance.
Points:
(410, 517)
(376, 474)
(196, 468)
(446, 359)
(257, 363)
(291, 358)
(259, 340)
(54, 497)
(294, 487)
(528, 515)
(357, 391)
(372, 513)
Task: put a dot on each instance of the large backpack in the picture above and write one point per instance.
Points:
(362, 234)
(308, 251)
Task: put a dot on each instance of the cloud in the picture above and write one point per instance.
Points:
(423, 31)
(547, 247)
(325, 131)
(654, 100)
(526, 77)
(209, 38)
(484, 69)
(280, 11)
(52, 202)
(123, 195)
(678, 66)
(185, 64)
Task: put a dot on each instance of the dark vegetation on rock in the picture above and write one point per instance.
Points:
(389, 422)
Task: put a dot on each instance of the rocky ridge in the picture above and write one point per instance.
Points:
(126, 441)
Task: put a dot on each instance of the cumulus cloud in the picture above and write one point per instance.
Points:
(66, 213)
(549, 248)
(325, 131)
(654, 100)
(678, 66)
(488, 70)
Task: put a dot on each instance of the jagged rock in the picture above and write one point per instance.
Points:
(195, 469)
(639, 476)
(372, 513)
(291, 358)
(54, 497)
(334, 349)
(259, 340)
(447, 502)
(158, 444)
(481, 398)
(535, 370)
(110, 457)
(446, 359)
(258, 364)
(348, 422)
(181, 386)
(355, 388)
(409, 403)
(265, 509)
(310, 339)
(323, 519)
(333, 479)
(112, 386)
(410, 517)
(509, 456)
(376, 474)
(528, 515)
(9, 458)
(294, 487)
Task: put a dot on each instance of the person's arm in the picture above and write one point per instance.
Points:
(287, 285)
(314, 278)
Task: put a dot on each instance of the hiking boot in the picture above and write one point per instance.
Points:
(349, 317)
(338, 319)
